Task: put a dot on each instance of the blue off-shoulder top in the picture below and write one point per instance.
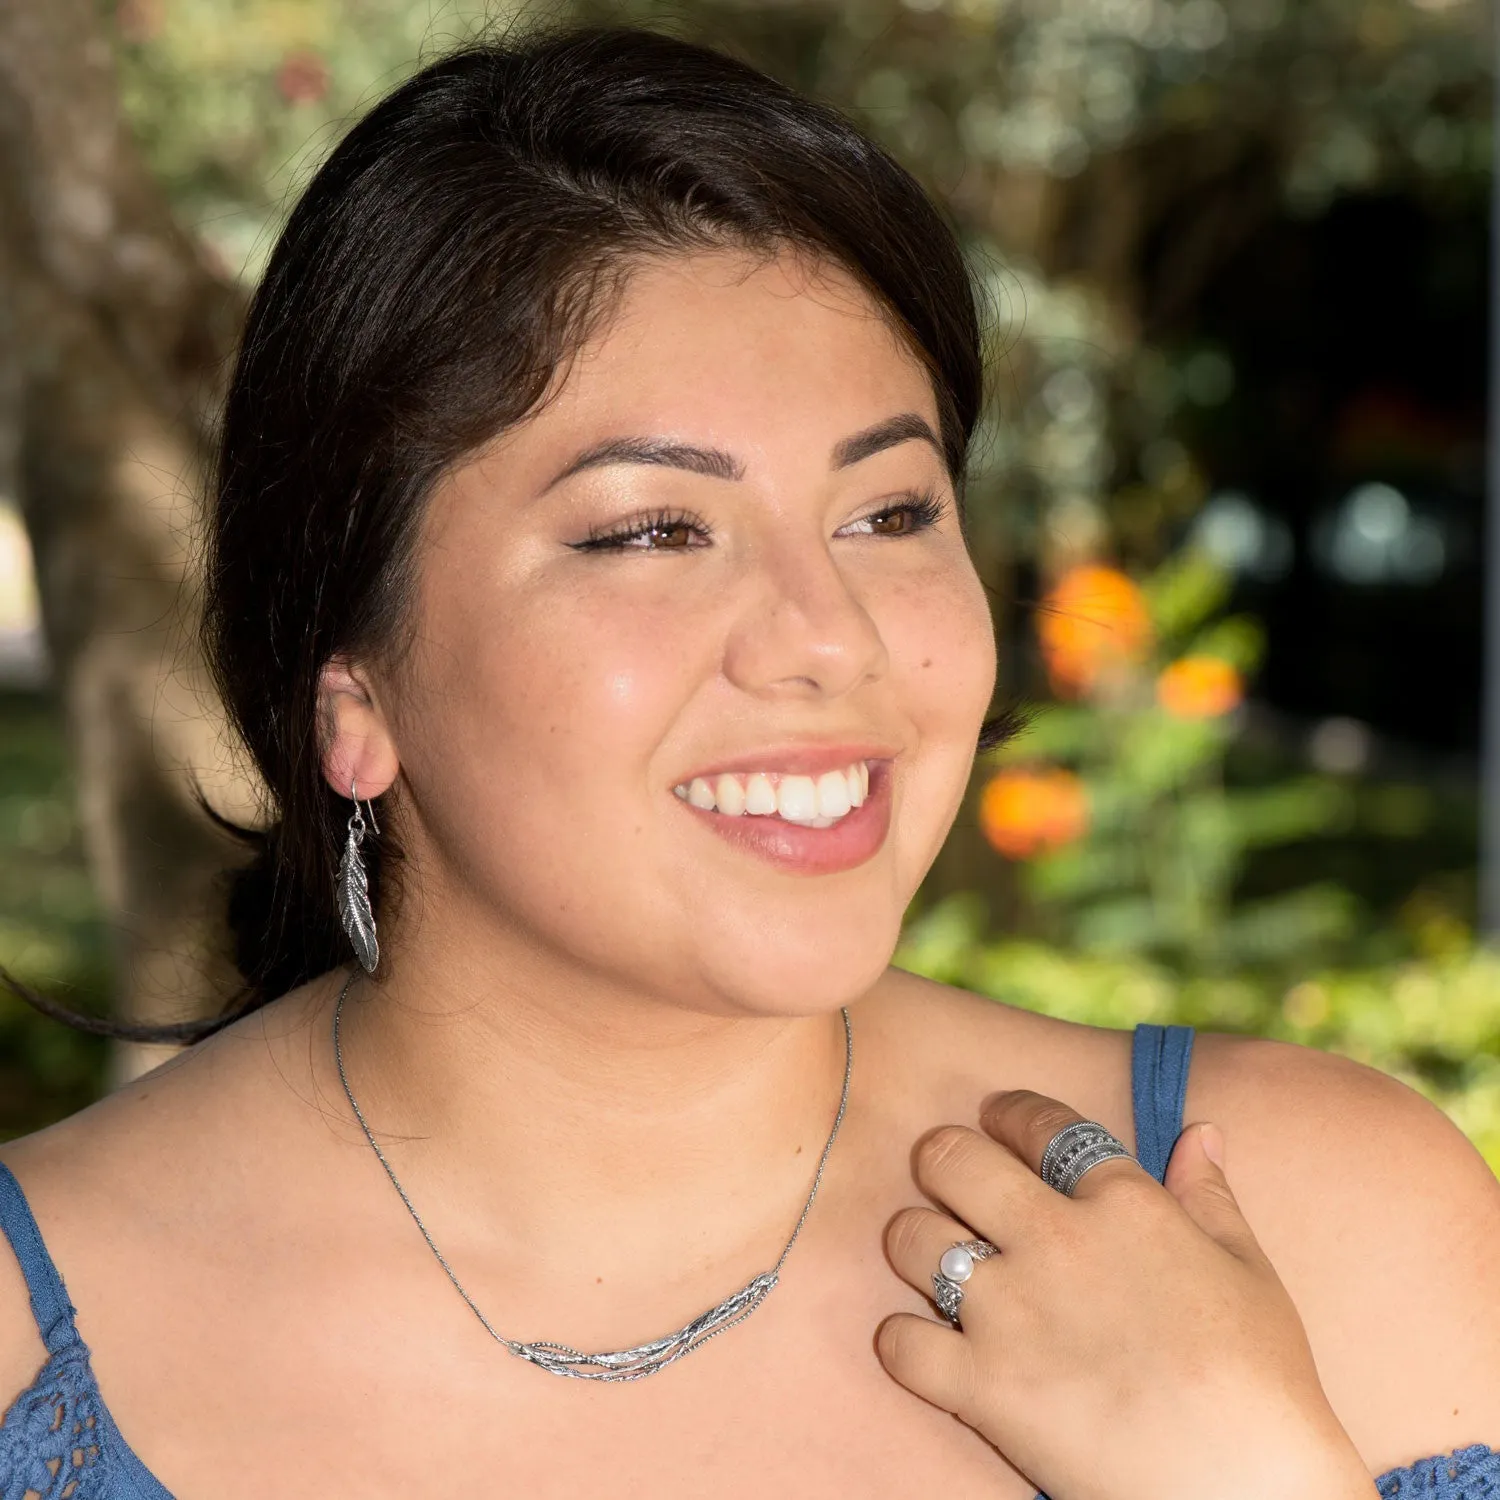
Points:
(59, 1442)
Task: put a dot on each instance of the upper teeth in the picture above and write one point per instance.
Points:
(818, 801)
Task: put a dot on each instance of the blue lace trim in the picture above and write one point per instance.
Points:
(1469, 1474)
(53, 1441)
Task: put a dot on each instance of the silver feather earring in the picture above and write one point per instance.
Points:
(354, 889)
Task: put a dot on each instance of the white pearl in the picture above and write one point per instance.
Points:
(957, 1264)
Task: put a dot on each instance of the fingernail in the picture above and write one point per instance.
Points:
(1213, 1144)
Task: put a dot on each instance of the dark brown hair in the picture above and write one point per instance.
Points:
(441, 266)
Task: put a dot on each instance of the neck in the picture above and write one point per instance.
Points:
(532, 1104)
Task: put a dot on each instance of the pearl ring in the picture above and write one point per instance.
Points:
(955, 1268)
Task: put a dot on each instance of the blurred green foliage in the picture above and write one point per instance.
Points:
(1141, 913)
(1052, 130)
(52, 933)
(1433, 1022)
(1157, 869)
(1213, 879)
(235, 102)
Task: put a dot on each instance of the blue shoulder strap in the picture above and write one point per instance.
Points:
(1159, 1060)
(49, 1297)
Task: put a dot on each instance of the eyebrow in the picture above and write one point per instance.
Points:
(715, 463)
(890, 433)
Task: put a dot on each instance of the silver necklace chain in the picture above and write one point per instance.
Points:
(644, 1359)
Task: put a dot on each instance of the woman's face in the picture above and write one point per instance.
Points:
(669, 631)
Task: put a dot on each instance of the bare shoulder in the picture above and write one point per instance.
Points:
(1381, 1218)
(169, 1122)
(1383, 1222)
(111, 1184)
(963, 1047)
(67, 1177)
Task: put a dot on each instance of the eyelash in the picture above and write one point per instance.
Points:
(923, 509)
(630, 532)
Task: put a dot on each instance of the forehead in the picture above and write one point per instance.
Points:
(761, 351)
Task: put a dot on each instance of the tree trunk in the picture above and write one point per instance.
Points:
(115, 335)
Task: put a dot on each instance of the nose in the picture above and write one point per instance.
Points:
(806, 632)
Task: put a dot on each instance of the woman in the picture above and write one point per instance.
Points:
(586, 575)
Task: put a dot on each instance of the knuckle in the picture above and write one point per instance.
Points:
(1047, 1117)
(971, 1384)
(895, 1345)
(903, 1235)
(909, 1352)
(946, 1150)
(1011, 1105)
(1220, 1195)
(963, 1396)
(1125, 1205)
(1129, 1184)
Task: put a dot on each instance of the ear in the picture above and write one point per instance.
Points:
(358, 749)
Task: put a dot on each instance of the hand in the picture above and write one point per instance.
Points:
(1129, 1343)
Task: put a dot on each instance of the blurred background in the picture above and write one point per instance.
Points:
(1228, 496)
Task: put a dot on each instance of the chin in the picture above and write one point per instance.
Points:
(804, 972)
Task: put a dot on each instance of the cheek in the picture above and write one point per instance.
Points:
(942, 646)
(530, 747)
(556, 700)
(943, 657)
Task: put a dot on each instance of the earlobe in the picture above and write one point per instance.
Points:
(357, 744)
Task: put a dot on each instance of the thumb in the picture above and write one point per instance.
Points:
(1195, 1178)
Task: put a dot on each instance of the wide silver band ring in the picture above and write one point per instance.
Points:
(955, 1268)
(1076, 1149)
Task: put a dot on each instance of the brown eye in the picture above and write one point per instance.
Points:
(891, 522)
(917, 513)
(660, 533)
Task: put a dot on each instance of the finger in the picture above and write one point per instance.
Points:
(1025, 1124)
(930, 1359)
(1195, 1177)
(915, 1241)
(980, 1182)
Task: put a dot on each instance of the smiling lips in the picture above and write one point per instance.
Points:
(812, 801)
(807, 823)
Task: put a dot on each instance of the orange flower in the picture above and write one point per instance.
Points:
(1093, 621)
(1199, 687)
(1024, 813)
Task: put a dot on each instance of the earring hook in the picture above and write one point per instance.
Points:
(354, 798)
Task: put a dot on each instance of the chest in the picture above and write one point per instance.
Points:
(793, 1403)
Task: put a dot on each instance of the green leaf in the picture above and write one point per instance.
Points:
(1263, 817)
(1239, 640)
(1184, 592)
